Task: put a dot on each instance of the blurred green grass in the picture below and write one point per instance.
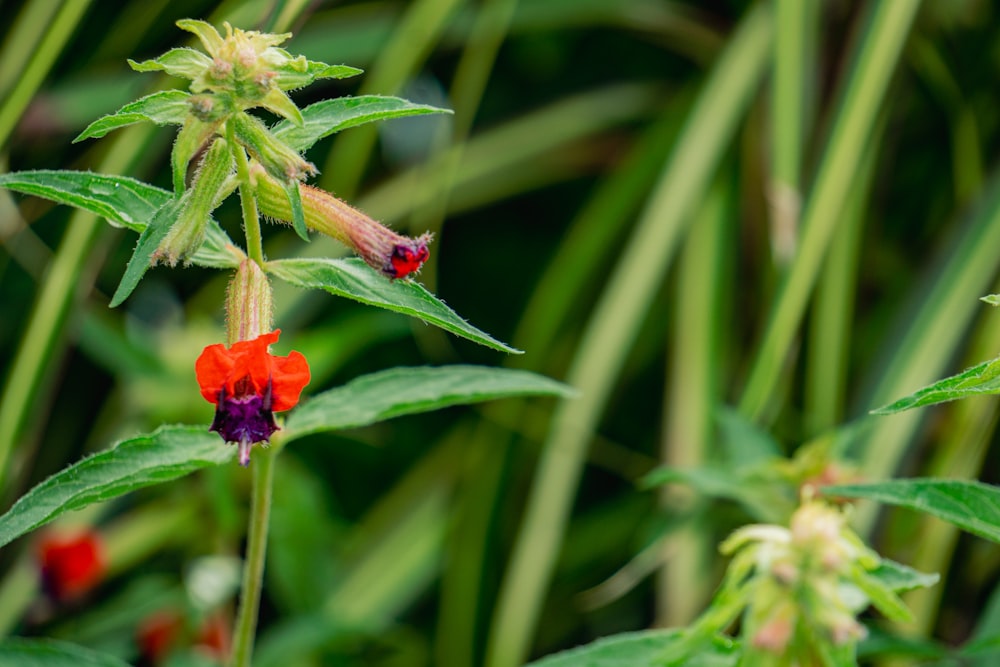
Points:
(396, 546)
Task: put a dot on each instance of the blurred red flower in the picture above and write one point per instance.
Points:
(71, 564)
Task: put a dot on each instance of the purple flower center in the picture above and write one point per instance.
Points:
(245, 420)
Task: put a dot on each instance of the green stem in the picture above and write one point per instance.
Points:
(253, 567)
(251, 219)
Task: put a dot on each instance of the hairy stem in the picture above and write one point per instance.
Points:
(251, 219)
(253, 567)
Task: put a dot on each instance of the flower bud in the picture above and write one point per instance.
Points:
(278, 159)
(249, 308)
(391, 254)
(188, 231)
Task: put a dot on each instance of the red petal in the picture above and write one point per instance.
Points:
(214, 369)
(289, 376)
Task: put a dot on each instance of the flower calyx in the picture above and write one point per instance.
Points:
(188, 231)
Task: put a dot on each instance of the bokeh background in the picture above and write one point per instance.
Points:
(734, 227)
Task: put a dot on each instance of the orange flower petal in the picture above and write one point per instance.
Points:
(218, 367)
(213, 370)
(289, 376)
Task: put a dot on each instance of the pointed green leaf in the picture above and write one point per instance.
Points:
(972, 506)
(24, 652)
(324, 118)
(983, 378)
(299, 72)
(354, 279)
(992, 299)
(168, 107)
(298, 213)
(901, 578)
(206, 32)
(403, 391)
(648, 648)
(279, 103)
(165, 454)
(881, 596)
(149, 241)
(122, 201)
(183, 62)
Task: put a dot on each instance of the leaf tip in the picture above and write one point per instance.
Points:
(992, 299)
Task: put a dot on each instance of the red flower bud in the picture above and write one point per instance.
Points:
(393, 255)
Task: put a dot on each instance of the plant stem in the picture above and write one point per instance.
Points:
(253, 567)
(251, 219)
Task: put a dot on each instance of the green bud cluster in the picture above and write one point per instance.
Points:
(800, 589)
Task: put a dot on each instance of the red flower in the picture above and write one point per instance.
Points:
(248, 385)
(158, 634)
(71, 564)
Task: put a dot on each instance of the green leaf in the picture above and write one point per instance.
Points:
(183, 62)
(403, 391)
(992, 299)
(648, 648)
(982, 378)
(300, 72)
(122, 201)
(149, 241)
(168, 107)
(298, 213)
(901, 578)
(163, 455)
(324, 118)
(763, 498)
(51, 653)
(881, 596)
(353, 279)
(972, 506)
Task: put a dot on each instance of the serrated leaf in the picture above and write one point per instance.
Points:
(972, 506)
(324, 118)
(403, 391)
(648, 648)
(163, 455)
(168, 107)
(149, 241)
(354, 279)
(122, 201)
(21, 652)
(981, 379)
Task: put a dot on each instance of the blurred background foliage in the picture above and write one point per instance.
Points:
(787, 208)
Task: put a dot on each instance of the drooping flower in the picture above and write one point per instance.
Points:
(248, 385)
(393, 255)
(71, 564)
